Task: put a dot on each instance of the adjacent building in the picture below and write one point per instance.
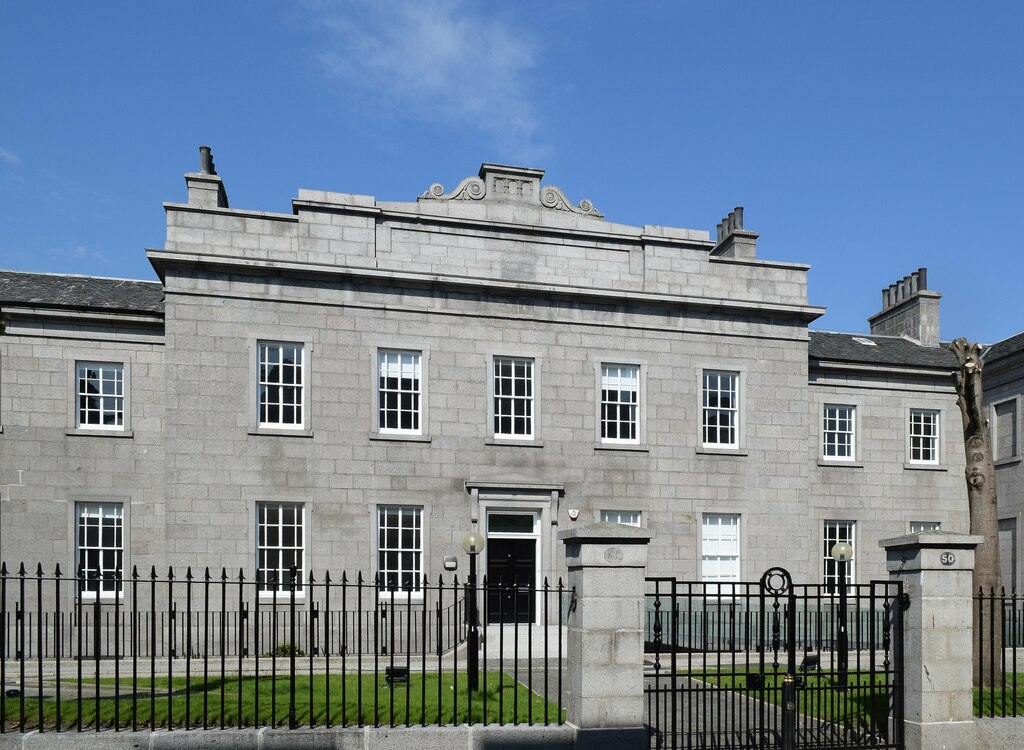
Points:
(1004, 389)
(357, 383)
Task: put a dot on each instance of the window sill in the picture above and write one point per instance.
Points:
(283, 599)
(399, 437)
(105, 601)
(280, 433)
(705, 451)
(1000, 462)
(513, 441)
(924, 467)
(841, 464)
(101, 433)
(385, 598)
(631, 447)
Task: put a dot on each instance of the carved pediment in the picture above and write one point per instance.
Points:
(498, 182)
(470, 189)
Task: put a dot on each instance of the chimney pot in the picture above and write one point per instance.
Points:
(909, 309)
(206, 165)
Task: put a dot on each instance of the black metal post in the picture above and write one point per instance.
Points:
(788, 712)
(293, 721)
(474, 629)
(843, 642)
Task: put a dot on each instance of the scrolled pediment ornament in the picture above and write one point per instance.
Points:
(552, 197)
(470, 189)
(507, 184)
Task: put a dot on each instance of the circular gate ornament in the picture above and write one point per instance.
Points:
(776, 581)
(613, 555)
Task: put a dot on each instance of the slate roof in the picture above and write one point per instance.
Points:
(125, 295)
(887, 350)
(1004, 348)
(87, 292)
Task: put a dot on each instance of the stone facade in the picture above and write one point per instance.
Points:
(500, 271)
(1004, 391)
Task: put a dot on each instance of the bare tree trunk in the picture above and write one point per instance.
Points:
(981, 497)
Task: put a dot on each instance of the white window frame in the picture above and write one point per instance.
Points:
(834, 530)
(100, 511)
(620, 379)
(263, 384)
(276, 586)
(835, 426)
(533, 399)
(115, 403)
(916, 527)
(734, 412)
(715, 550)
(1014, 454)
(385, 570)
(404, 360)
(624, 517)
(914, 433)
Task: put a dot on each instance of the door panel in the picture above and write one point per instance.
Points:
(511, 572)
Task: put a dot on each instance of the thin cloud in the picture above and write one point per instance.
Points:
(10, 157)
(437, 61)
(77, 252)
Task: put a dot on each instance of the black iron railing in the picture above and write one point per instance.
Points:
(774, 663)
(212, 650)
(999, 630)
(732, 624)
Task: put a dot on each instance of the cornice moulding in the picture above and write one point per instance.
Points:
(164, 258)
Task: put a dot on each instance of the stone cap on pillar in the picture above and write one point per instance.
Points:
(930, 550)
(606, 545)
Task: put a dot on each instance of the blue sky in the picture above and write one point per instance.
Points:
(864, 138)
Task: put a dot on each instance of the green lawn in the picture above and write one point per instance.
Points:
(423, 700)
(1000, 702)
(862, 704)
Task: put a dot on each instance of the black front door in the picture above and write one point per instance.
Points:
(511, 575)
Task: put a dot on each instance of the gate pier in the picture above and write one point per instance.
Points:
(607, 564)
(935, 568)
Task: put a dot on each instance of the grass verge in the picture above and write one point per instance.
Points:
(319, 700)
(1007, 700)
(863, 704)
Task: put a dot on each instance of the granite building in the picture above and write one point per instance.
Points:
(1004, 390)
(356, 383)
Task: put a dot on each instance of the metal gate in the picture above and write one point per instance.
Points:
(773, 664)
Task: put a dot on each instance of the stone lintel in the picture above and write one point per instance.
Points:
(606, 533)
(606, 545)
(930, 550)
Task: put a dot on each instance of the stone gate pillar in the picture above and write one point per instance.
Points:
(935, 567)
(605, 641)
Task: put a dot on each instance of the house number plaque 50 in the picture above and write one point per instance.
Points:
(947, 558)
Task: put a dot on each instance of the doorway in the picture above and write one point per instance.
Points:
(512, 541)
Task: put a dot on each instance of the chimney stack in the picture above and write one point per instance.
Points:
(909, 309)
(733, 240)
(205, 188)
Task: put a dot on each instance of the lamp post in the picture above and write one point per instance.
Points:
(842, 553)
(473, 544)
